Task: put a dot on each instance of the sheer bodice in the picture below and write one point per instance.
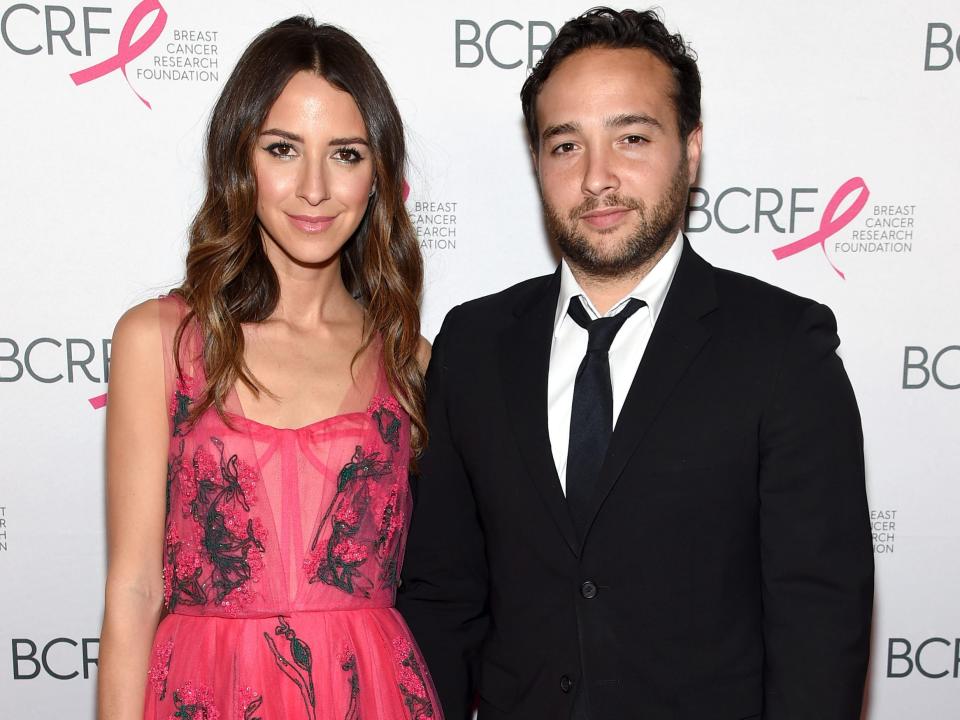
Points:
(282, 553)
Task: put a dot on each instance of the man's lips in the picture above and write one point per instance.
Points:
(311, 223)
(605, 217)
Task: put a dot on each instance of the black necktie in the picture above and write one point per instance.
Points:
(591, 418)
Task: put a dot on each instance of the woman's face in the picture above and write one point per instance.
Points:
(314, 172)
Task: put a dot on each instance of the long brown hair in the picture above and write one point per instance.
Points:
(229, 280)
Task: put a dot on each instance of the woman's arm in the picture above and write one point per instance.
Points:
(137, 445)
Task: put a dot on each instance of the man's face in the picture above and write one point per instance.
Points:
(614, 172)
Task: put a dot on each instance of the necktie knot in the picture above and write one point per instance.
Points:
(603, 330)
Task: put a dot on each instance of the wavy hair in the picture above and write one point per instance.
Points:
(229, 280)
(603, 27)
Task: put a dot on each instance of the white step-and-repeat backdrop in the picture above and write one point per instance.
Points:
(831, 168)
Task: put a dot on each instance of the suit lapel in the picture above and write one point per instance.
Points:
(524, 364)
(677, 339)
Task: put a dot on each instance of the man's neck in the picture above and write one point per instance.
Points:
(606, 291)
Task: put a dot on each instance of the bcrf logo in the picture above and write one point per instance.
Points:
(62, 658)
(933, 658)
(29, 29)
(942, 48)
(505, 43)
(921, 365)
(737, 210)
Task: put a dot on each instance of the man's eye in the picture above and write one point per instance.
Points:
(634, 139)
(564, 148)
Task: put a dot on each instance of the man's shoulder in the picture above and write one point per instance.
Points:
(492, 312)
(758, 321)
(731, 282)
(738, 292)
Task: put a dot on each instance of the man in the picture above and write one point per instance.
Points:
(655, 514)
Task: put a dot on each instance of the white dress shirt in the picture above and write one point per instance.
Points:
(570, 345)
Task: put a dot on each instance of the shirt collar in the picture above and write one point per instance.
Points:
(652, 288)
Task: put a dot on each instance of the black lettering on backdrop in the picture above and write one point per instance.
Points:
(917, 373)
(942, 45)
(468, 34)
(59, 23)
(25, 654)
(900, 652)
(46, 359)
(739, 215)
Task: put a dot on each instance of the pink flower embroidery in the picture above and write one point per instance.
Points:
(311, 563)
(385, 412)
(247, 479)
(350, 551)
(377, 402)
(187, 554)
(347, 515)
(410, 680)
(167, 587)
(205, 469)
(179, 408)
(160, 668)
(204, 465)
(259, 531)
(391, 517)
(346, 655)
(195, 703)
(248, 700)
(185, 385)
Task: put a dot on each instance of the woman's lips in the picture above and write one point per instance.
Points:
(311, 223)
(605, 217)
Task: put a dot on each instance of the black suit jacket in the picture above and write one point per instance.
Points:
(727, 571)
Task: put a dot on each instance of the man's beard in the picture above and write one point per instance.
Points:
(654, 229)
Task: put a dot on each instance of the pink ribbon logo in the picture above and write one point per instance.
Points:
(98, 402)
(126, 49)
(829, 223)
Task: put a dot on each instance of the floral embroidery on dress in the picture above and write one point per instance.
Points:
(388, 551)
(410, 680)
(180, 404)
(298, 667)
(194, 703)
(248, 702)
(386, 413)
(348, 663)
(160, 668)
(181, 574)
(338, 564)
(217, 494)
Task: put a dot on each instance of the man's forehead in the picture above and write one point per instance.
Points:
(594, 65)
(597, 83)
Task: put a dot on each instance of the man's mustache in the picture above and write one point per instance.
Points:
(614, 200)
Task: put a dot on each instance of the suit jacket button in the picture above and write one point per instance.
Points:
(566, 684)
(588, 590)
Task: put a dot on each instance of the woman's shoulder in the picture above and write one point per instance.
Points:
(150, 326)
(139, 324)
(423, 353)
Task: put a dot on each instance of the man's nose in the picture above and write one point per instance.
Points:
(599, 175)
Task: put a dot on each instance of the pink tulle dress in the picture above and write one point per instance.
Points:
(281, 560)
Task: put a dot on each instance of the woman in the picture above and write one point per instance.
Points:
(263, 415)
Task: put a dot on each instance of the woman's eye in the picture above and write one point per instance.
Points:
(281, 149)
(347, 155)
